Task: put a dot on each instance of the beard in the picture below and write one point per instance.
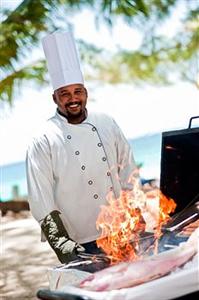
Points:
(74, 116)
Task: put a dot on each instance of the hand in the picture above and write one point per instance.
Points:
(69, 246)
(58, 238)
(68, 249)
(79, 248)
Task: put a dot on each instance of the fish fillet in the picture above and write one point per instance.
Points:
(129, 274)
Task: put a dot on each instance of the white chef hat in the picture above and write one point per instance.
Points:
(62, 59)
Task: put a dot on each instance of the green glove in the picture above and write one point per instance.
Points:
(57, 236)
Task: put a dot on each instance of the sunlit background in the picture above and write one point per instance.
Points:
(142, 111)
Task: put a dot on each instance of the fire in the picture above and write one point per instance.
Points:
(166, 206)
(120, 222)
(124, 219)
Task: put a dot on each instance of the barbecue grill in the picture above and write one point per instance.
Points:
(176, 285)
(179, 176)
(178, 180)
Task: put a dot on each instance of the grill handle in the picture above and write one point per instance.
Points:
(45, 294)
(190, 121)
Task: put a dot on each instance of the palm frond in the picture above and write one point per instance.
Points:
(21, 31)
(11, 84)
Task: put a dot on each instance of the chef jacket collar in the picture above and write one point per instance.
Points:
(64, 118)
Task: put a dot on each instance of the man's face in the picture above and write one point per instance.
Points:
(71, 101)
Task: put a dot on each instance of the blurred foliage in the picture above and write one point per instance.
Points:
(159, 59)
(35, 71)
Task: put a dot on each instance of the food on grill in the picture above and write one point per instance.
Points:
(129, 274)
(187, 230)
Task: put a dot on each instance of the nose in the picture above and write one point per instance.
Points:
(74, 97)
(69, 98)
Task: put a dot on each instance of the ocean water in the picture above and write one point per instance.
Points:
(13, 181)
(146, 149)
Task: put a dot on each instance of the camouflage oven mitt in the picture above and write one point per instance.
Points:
(57, 236)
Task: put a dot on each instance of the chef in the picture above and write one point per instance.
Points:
(76, 160)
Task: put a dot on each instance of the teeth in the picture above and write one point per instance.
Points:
(73, 105)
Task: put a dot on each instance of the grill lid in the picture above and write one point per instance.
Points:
(180, 165)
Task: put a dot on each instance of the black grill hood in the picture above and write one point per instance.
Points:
(179, 178)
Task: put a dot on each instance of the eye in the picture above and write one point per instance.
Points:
(79, 92)
(65, 95)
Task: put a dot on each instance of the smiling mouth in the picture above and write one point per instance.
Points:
(73, 105)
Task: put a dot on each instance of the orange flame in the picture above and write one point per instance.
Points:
(123, 219)
(166, 206)
(120, 222)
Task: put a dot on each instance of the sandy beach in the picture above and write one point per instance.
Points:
(24, 260)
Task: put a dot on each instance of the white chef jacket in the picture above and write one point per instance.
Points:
(72, 167)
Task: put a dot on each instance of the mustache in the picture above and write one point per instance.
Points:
(72, 103)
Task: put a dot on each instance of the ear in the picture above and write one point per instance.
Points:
(86, 92)
(54, 98)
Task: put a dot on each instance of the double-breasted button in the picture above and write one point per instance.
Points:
(99, 144)
(95, 196)
(108, 173)
(111, 188)
(68, 137)
(76, 152)
(93, 128)
(83, 167)
(104, 158)
(90, 182)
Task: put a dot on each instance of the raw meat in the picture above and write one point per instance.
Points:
(129, 274)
